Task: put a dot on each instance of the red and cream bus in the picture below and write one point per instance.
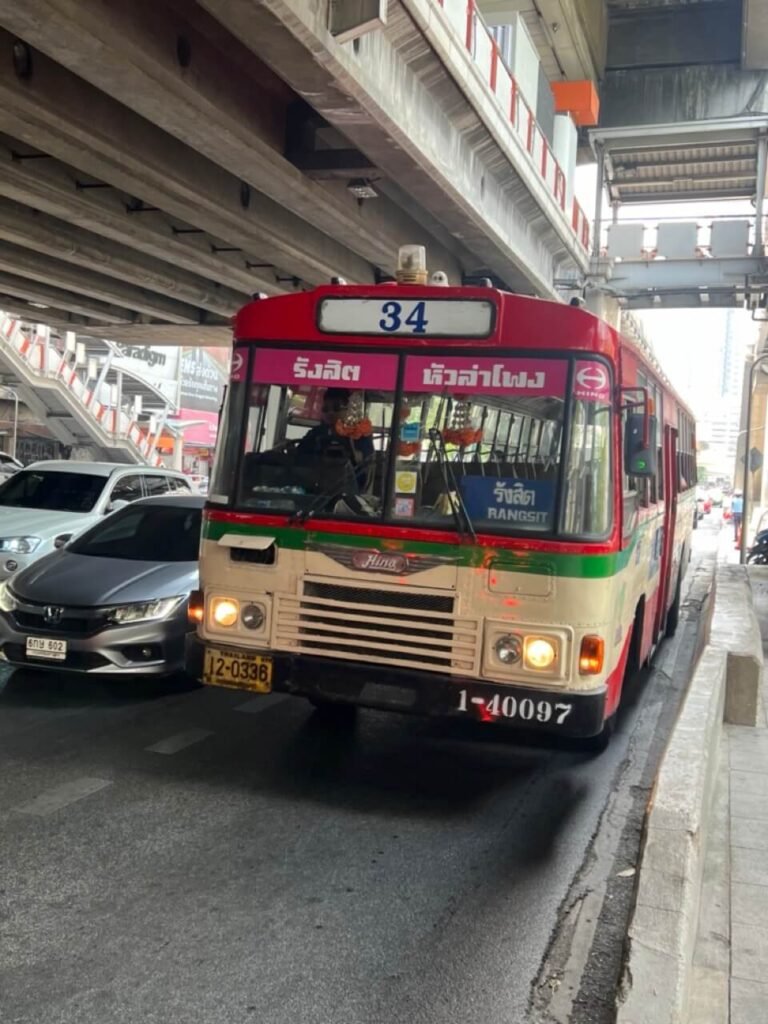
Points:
(442, 500)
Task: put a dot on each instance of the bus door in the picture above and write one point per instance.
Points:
(670, 479)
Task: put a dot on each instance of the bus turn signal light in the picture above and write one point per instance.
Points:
(591, 655)
(195, 607)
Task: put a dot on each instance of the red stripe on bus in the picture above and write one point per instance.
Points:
(404, 533)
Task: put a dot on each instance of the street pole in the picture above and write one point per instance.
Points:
(747, 434)
(15, 421)
(15, 396)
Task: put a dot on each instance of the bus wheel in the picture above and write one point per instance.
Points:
(673, 615)
(597, 744)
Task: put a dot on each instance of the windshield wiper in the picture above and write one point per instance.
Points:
(463, 519)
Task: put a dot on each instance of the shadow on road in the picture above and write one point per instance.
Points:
(35, 689)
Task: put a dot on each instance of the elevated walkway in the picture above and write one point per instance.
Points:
(678, 263)
(75, 409)
(681, 261)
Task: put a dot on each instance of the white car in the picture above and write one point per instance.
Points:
(48, 503)
(199, 482)
(8, 466)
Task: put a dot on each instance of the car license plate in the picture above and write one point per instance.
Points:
(45, 647)
(239, 669)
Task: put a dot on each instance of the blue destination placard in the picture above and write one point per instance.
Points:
(524, 503)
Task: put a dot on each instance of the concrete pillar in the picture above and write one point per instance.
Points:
(119, 403)
(565, 144)
(45, 334)
(177, 459)
(604, 306)
(99, 385)
(598, 225)
(762, 167)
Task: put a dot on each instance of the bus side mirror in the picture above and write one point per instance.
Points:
(640, 459)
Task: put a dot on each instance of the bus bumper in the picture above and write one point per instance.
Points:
(563, 713)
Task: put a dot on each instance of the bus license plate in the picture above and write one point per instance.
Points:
(238, 669)
(519, 709)
(47, 648)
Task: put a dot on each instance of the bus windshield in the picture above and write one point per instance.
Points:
(487, 443)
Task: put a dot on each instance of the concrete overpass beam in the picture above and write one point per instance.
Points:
(669, 95)
(39, 267)
(132, 53)
(575, 31)
(48, 297)
(675, 36)
(440, 138)
(47, 235)
(755, 37)
(52, 187)
(61, 114)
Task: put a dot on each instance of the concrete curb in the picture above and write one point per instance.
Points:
(736, 631)
(655, 987)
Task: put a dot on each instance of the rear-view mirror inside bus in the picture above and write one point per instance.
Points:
(640, 451)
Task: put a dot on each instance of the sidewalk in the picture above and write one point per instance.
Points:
(730, 975)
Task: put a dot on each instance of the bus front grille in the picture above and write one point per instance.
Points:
(400, 626)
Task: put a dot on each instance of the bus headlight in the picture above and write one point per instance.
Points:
(508, 649)
(539, 653)
(225, 611)
(253, 616)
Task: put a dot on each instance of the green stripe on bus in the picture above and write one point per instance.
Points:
(535, 562)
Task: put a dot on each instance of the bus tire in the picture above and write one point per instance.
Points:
(597, 744)
(673, 615)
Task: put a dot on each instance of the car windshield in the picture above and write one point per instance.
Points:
(52, 491)
(145, 533)
(458, 442)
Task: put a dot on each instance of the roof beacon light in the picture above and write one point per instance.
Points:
(412, 264)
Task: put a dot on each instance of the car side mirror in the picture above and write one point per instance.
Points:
(115, 506)
(640, 445)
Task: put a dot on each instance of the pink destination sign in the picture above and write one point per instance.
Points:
(467, 375)
(329, 369)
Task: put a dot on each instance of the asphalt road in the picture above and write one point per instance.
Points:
(195, 856)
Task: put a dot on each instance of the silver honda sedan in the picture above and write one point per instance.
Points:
(114, 600)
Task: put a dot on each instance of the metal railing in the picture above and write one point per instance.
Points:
(467, 22)
(43, 362)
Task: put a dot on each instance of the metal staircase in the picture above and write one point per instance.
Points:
(73, 408)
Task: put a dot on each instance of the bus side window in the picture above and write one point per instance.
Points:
(630, 489)
(659, 481)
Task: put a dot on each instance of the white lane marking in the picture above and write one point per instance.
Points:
(256, 704)
(179, 741)
(60, 796)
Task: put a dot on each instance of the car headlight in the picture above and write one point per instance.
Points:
(7, 600)
(508, 649)
(225, 611)
(144, 611)
(539, 653)
(19, 545)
